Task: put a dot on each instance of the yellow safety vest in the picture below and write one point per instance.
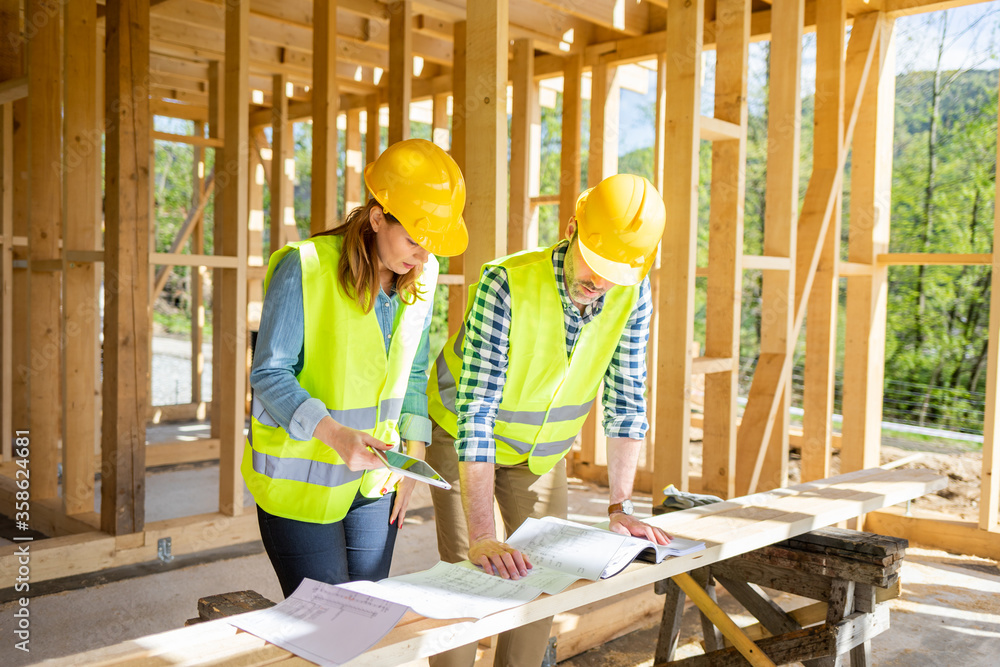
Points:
(546, 396)
(346, 367)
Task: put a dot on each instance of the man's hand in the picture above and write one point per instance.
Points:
(351, 445)
(493, 555)
(404, 485)
(626, 524)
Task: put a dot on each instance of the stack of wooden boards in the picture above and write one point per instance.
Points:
(850, 573)
(728, 529)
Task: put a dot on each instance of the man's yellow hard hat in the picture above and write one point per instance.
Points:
(420, 185)
(620, 222)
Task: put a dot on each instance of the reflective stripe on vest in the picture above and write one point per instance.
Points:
(349, 369)
(546, 396)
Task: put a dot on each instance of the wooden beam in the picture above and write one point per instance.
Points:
(781, 211)
(821, 334)
(283, 227)
(456, 265)
(44, 214)
(725, 249)
(989, 508)
(867, 295)
(659, 122)
(7, 275)
(12, 90)
(325, 108)
(936, 531)
(569, 160)
(401, 68)
(187, 139)
(354, 192)
(486, 120)
(525, 98)
(685, 28)
(81, 232)
(199, 195)
(126, 268)
(373, 131)
(216, 126)
(762, 403)
(605, 103)
(440, 133)
(933, 259)
(231, 240)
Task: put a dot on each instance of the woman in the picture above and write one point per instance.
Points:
(340, 368)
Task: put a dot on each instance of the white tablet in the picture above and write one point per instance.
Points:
(411, 467)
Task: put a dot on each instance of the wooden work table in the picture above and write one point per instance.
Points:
(728, 529)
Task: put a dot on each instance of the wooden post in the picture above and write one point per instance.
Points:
(216, 130)
(782, 209)
(867, 295)
(197, 272)
(231, 240)
(44, 215)
(81, 231)
(685, 31)
(283, 227)
(325, 107)
(10, 68)
(990, 490)
(354, 191)
(401, 68)
(456, 265)
(373, 131)
(605, 103)
(126, 268)
(569, 160)
(439, 121)
(821, 334)
(725, 248)
(520, 233)
(654, 275)
(255, 248)
(486, 119)
(660, 121)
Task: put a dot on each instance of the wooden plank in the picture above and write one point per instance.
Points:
(871, 184)
(6, 277)
(325, 108)
(716, 129)
(486, 168)
(936, 531)
(401, 68)
(283, 227)
(440, 134)
(569, 159)
(373, 131)
(828, 149)
(605, 111)
(216, 126)
(525, 98)
(181, 451)
(989, 509)
(187, 139)
(48, 516)
(255, 243)
(12, 65)
(354, 191)
(685, 28)
(177, 259)
(457, 294)
(81, 232)
(766, 262)
(659, 123)
(707, 365)
(231, 240)
(193, 222)
(44, 214)
(725, 250)
(126, 269)
(933, 259)
(12, 90)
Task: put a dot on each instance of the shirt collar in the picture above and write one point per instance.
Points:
(558, 264)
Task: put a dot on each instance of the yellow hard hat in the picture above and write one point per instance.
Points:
(620, 222)
(420, 185)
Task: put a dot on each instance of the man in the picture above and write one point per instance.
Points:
(543, 329)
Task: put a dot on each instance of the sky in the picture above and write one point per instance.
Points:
(972, 41)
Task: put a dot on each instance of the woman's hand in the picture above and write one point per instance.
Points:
(404, 485)
(352, 446)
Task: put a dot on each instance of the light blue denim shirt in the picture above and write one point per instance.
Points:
(279, 354)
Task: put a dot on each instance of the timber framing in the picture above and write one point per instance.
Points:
(234, 69)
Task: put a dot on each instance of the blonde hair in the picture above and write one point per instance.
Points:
(358, 268)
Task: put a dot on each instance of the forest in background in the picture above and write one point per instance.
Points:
(944, 172)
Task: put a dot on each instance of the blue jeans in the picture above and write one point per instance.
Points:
(357, 547)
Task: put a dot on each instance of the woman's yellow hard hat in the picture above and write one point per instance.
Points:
(620, 222)
(420, 185)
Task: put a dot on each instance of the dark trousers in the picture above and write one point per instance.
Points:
(359, 546)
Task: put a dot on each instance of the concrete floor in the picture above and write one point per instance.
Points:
(949, 612)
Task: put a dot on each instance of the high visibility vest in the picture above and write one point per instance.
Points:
(546, 395)
(345, 366)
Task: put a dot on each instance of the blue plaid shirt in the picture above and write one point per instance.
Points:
(484, 362)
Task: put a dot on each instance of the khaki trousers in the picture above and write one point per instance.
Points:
(520, 494)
